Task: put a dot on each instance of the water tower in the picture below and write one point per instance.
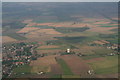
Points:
(68, 50)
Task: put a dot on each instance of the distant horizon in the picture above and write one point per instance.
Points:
(60, 1)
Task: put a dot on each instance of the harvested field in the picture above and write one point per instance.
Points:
(43, 64)
(115, 18)
(99, 42)
(95, 19)
(115, 24)
(27, 29)
(60, 24)
(70, 24)
(76, 64)
(41, 38)
(42, 34)
(43, 24)
(49, 46)
(105, 41)
(105, 30)
(56, 69)
(102, 22)
(6, 39)
(48, 31)
(48, 60)
(49, 51)
(27, 21)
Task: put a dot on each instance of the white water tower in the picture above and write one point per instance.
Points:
(68, 50)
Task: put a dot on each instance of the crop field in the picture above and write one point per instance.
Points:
(71, 30)
(105, 30)
(23, 69)
(88, 50)
(49, 51)
(17, 36)
(65, 68)
(76, 64)
(56, 69)
(72, 39)
(48, 46)
(6, 39)
(12, 33)
(43, 64)
(107, 65)
(27, 29)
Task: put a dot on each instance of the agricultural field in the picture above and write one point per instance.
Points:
(6, 39)
(43, 64)
(105, 65)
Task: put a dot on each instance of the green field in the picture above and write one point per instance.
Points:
(71, 30)
(108, 26)
(70, 76)
(16, 36)
(108, 65)
(43, 27)
(77, 39)
(22, 69)
(65, 68)
(90, 56)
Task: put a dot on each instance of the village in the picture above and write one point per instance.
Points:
(17, 54)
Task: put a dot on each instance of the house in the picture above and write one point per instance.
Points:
(19, 63)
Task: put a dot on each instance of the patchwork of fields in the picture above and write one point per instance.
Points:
(87, 41)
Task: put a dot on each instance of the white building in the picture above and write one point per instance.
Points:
(68, 50)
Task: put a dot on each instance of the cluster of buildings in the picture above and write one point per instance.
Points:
(17, 54)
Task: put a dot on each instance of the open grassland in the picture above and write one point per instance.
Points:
(107, 66)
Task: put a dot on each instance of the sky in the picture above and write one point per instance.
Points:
(59, 0)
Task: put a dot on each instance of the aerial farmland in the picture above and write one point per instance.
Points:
(60, 40)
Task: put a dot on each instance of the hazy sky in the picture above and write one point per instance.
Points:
(59, 0)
